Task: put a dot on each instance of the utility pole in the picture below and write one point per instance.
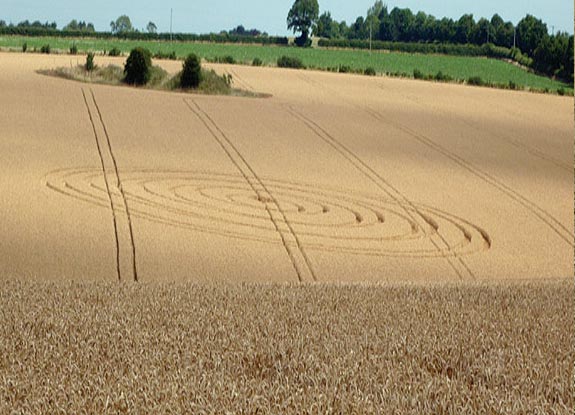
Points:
(171, 18)
(370, 37)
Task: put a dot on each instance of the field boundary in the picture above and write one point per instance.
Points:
(439, 68)
(300, 262)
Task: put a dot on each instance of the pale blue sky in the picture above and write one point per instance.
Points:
(214, 15)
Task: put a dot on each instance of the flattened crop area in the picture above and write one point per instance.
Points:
(334, 178)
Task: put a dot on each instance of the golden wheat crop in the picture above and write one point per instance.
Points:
(193, 348)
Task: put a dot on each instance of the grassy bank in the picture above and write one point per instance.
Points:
(193, 348)
(399, 64)
(211, 84)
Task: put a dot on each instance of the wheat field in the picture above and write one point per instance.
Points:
(286, 349)
(348, 245)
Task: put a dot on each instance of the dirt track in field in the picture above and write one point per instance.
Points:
(334, 178)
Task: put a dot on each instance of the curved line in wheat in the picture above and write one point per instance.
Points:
(384, 230)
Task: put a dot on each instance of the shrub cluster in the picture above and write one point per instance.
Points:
(417, 74)
(476, 80)
(137, 68)
(520, 58)
(487, 49)
(441, 77)
(191, 72)
(73, 49)
(224, 59)
(257, 62)
(166, 55)
(114, 52)
(290, 62)
(369, 71)
(45, 49)
(89, 66)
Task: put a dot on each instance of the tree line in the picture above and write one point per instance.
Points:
(122, 25)
(122, 28)
(552, 54)
(73, 26)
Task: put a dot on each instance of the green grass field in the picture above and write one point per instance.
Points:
(459, 68)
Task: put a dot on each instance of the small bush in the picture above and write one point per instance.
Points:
(257, 62)
(110, 73)
(441, 77)
(225, 59)
(561, 91)
(290, 62)
(45, 49)
(191, 72)
(417, 74)
(24, 47)
(158, 76)
(114, 52)
(212, 83)
(73, 49)
(512, 85)
(137, 67)
(344, 69)
(89, 66)
(475, 80)
(166, 55)
(369, 72)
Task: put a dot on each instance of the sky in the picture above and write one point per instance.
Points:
(193, 16)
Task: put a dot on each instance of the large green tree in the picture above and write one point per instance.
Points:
(323, 26)
(483, 32)
(301, 18)
(464, 28)
(372, 20)
(328, 28)
(530, 32)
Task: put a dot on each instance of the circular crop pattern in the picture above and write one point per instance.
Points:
(323, 218)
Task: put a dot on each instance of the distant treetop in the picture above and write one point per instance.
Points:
(79, 26)
(122, 25)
